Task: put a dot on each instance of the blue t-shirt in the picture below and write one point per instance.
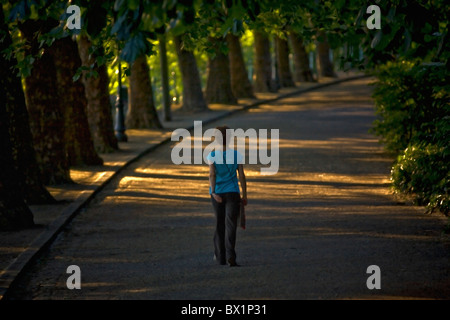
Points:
(226, 164)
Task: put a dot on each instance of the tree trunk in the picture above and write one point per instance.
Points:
(23, 153)
(79, 143)
(193, 99)
(44, 107)
(97, 95)
(284, 69)
(14, 213)
(141, 105)
(218, 83)
(262, 81)
(302, 71)
(240, 84)
(326, 68)
(165, 78)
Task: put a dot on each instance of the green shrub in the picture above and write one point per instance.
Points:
(413, 107)
(409, 99)
(422, 172)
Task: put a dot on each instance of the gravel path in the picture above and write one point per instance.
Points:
(312, 229)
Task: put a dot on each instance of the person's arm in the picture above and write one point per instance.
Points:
(243, 183)
(212, 183)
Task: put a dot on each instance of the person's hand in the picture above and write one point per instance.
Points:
(217, 198)
(244, 201)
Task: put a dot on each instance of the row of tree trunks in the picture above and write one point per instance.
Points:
(28, 175)
(14, 212)
(302, 72)
(58, 108)
(227, 77)
(232, 66)
(141, 105)
(46, 112)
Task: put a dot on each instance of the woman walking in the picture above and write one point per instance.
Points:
(225, 196)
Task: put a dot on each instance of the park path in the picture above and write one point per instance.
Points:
(312, 229)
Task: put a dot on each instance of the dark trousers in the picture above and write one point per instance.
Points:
(227, 213)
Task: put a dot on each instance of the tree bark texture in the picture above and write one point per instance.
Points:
(284, 68)
(44, 108)
(326, 68)
(218, 83)
(193, 98)
(141, 105)
(302, 71)
(240, 83)
(23, 153)
(262, 81)
(14, 213)
(79, 143)
(99, 109)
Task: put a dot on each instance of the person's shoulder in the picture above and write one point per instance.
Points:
(211, 156)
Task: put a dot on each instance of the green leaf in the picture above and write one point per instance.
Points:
(238, 26)
(121, 28)
(118, 24)
(76, 76)
(134, 47)
(20, 11)
(391, 15)
(100, 60)
(339, 4)
(376, 39)
(428, 38)
(133, 4)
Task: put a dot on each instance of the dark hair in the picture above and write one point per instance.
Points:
(223, 131)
